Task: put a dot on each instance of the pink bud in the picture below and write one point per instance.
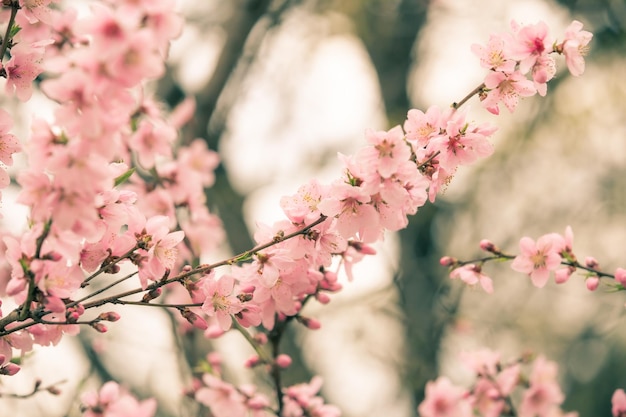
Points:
(248, 289)
(197, 321)
(260, 338)
(151, 295)
(54, 390)
(109, 316)
(53, 256)
(9, 369)
(252, 361)
(487, 245)
(620, 276)
(100, 327)
(591, 262)
(366, 249)
(592, 283)
(562, 275)
(322, 298)
(186, 268)
(309, 322)
(283, 361)
(447, 261)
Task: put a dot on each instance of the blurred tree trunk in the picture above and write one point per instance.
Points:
(389, 30)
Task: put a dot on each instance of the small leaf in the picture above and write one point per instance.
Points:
(14, 30)
(125, 176)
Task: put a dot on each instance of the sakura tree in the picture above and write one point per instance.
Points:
(118, 215)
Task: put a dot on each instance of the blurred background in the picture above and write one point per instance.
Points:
(281, 87)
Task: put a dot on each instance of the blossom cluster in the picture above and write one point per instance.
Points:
(496, 386)
(107, 185)
(550, 254)
(513, 57)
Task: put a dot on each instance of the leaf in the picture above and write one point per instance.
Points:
(125, 176)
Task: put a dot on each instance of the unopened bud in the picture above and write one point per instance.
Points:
(9, 369)
(309, 322)
(592, 283)
(447, 261)
(197, 321)
(591, 262)
(245, 297)
(322, 298)
(260, 338)
(620, 276)
(488, 246)
(99, 327)
(252, 361)
(151, 295)
(364, 249)
(53, 256)
(562, 275)
(283, 361)
(109, 316)
(186, 268)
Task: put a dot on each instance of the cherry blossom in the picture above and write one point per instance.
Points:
(575, 47)
(112, 401)
(443, 399)
(537, 259)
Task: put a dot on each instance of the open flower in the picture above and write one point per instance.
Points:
(537, 259)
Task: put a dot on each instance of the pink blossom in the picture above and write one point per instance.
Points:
(462, 142)
(113, 401)
(222, 398)
(575, 47)
(22, 69)
(153, 138)
(420, 127)
(538, 259)
(301, 399)
(37, 10)
(472, 274)
(618, 402)
(443, 399)
(387, 151)
(493, 56)
(8, 142)
(506, 88)
(543, 71)
(159, 248)
(220, 300)
(544, 393)
(303, 206)
(528, 43)
(355, 218)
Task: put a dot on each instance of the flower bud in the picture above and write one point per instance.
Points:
(620, 276)
(447, 261)
(562, 275)
(591, 262)
(99, 327)
(322, 297)
(151, 295)
(260, 338)
(487, 246)
(592, 283)
(197, 321)
(252, 361)
(309, 322)
(109, 316)
(9, 369)
(283, 361)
